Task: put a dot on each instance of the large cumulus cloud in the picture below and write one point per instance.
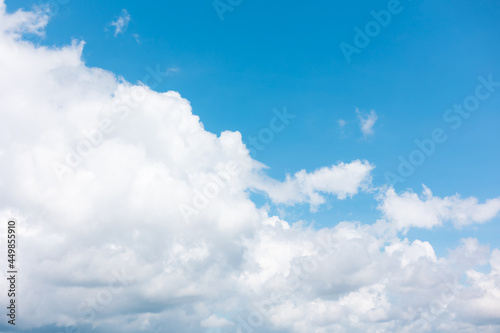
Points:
(132, 217)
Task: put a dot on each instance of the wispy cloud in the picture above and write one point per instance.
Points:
(121, 23)
(137, 39)
(366, 122)
(341, 123)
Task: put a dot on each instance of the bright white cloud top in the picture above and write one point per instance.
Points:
(101, 175)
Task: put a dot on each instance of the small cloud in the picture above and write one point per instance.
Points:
(121, 22)
(341, 123)
(136, 37)
(172, 70)
(341, 180)
(366, 122)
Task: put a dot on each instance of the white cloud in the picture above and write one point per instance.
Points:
(341, 123)
(427, 211)
(107, 249)
(121, 23)
(366, 122)
(341, 180)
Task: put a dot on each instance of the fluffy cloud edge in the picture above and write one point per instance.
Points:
(408, 209)
(341, 180)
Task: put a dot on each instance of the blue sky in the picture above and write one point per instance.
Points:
(264, 56)
(271, 55)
